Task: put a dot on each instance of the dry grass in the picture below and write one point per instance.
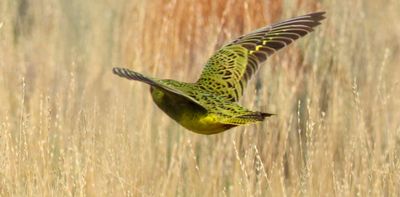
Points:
(68, 127)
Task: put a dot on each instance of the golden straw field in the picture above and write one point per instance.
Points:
(69, 127)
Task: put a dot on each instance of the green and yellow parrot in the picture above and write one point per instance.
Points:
(210, 105)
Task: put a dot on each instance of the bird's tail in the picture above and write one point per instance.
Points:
(256, 116)
(247, 118)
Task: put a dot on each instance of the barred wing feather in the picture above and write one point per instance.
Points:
(226, 73)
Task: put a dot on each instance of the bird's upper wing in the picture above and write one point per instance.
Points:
(228, 70)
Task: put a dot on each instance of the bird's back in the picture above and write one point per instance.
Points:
(220, 106)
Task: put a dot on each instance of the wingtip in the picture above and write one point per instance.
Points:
(122, 72)
(320, 12)
(116, 69)
(318, 16)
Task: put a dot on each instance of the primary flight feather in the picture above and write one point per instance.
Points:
(209, 105)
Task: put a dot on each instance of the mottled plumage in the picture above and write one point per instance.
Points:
(210, 105)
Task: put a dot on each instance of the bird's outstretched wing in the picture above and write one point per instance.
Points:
(132, 75)
(228, 70)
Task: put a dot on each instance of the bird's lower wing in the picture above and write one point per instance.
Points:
(132, 75)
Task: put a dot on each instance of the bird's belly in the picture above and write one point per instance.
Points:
(188, 114)
(207, 124)
(197, 121)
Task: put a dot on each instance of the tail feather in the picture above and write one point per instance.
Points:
(257, 116)
(264, 114)
(248, 118)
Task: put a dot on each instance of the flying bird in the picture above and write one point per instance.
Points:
(210, 105)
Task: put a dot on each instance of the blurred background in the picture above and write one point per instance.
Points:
(69, 127)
